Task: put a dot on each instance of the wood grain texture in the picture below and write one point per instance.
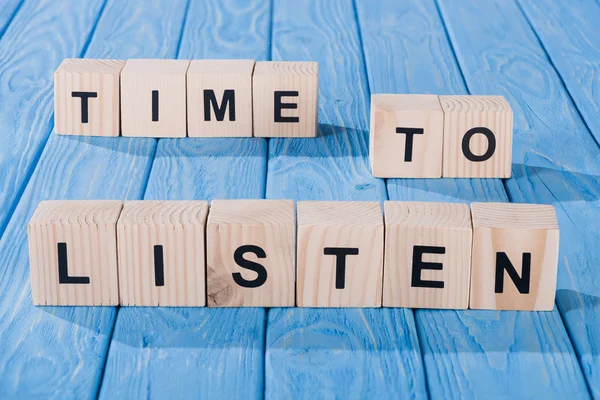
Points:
(177, 227)
(186, 353)
(220, 77)
(60, 352)
(339, 225)
(394, 154)
(88, 231)
(38, 38)
(461, 115)
(266, 225)
(290, 115)
(506, 354)
(304, 356)
(224, 357)
(102, 115)
(567, 31)
(446, 226)
(514, 230)
(554, 155)
(143, 114)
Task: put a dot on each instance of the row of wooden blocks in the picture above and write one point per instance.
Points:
(179, 98)
(429, 136)
(264, 253)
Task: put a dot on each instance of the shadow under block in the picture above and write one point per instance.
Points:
(219, 98)
(285, 99)
(339, 254)
(250, 253)
(406, 136)
(515, 256)
(153, 98)
(86, 97)
(478, 132)
(427, 255)
(73, 253)
(161, 253)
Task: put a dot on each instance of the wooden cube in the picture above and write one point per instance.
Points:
(515, 256)
(161, 253)
(250, 253)
(406, 136)
(340, 254)
(219, 98)
(73, 253)
(153, 98)
(427, 255)
(478, 133)
(285, 99)
(86, 97)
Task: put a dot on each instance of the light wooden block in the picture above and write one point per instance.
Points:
(219, 98)
(250, 253)
(508, 241)
(406, 136)
(161, 253)
(478, 132)
(73, 253)
(86, 97)
(285, 99)
(340, 254)
(427, 255)
(153, 98)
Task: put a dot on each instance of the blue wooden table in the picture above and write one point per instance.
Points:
(543, 55)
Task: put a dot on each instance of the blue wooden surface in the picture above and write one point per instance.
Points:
(541, 55)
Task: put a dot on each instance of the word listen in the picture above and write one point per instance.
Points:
(179, 98)
(262, 253)
(429, 136)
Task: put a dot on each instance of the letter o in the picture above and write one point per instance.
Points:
(467, 141)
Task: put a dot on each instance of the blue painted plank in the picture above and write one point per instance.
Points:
(408, 52)
(569, 33)
(8, 12)
(39, 37)
(60, 351)
(208, 353)
(342, 353)
(555, 157)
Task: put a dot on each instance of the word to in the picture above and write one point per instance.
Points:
(429, 136)
(263, 253)
(179, 98)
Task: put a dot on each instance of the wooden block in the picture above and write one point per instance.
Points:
(285, 99)
(250, 253)
(478, 133)
(86, 97)
(161, 253)
(515, 256)
(153, 98)
(406, 136)
(219, 98)
(340, 254)
(427, 255)
(73, 253)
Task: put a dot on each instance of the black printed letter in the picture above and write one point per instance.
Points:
(238, 256)
(521, 282)
(159, 266)
(63, 268)
(84, 103)
(155, 105)
(419, 265)
(340, 254)
(467, 141)
(210, 99)
(280, 106)
(410, 133)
